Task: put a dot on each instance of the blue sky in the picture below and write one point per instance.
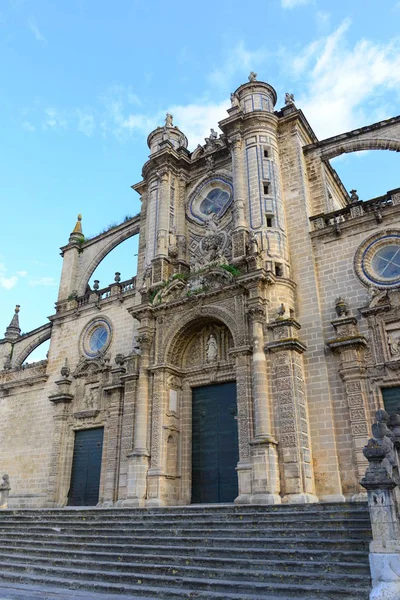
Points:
(85, 81)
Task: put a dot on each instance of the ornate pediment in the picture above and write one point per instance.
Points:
(91, 366)
(211, 278)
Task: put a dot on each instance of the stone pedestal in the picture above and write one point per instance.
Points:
(137, 478)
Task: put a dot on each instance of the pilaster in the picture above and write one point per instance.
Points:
(290, 403)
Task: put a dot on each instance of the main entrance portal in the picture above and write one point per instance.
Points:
(215, 448)
(86, 468)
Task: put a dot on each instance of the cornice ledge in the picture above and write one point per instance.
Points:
(286, 344)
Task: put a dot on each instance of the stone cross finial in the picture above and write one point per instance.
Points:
(252, 76)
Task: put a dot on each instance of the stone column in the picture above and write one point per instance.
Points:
(350, 345)
(156, 472)
(163, 215)
(265, 472)
(114, 426)
(61, 399)
(382, 481)
(240, 233)
(181, 241)
(139, 457)
(290, 403)
(242, 356)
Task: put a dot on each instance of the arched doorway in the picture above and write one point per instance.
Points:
(195, 416)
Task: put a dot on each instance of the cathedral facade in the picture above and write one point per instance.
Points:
(245, 361)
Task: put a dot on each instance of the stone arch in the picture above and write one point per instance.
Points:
(38, 339)
(356, 145)
(192, 323)
(103, 246)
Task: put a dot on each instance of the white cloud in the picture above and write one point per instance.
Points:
(7, 283)
(195, 120)
(239, 60)
(342, 84)
(54, 119)
(86, 122)
(36, 31)
(22, 273)
(44, 281)
(28, 126)
(294, 3)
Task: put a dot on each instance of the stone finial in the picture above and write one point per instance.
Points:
(168, 120)
(289, 98)
(65, 370)
(78, 226)
(13, 331)
(341, 307)
(96, 285)
(354, 197)
(5, 488)
(252, 77)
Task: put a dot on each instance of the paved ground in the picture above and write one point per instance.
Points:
(16, 591)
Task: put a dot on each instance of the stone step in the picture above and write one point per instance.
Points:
(190, 510)
(246, 531)
(308, 562)
(163, 586)
(208, 538)
(293, 553)
(120, 571)
(203, 520)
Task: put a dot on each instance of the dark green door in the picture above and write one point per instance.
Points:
(215, 448)
(86, 468)
(391, 399)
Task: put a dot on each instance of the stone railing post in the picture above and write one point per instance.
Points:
(381, 481)
(4, 492)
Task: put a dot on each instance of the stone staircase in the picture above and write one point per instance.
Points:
(302, 552)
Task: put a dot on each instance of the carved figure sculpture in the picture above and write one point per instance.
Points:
(5, 488)
(289, 98)
(394, 345)
(253, 244)
(168, 120)
(252, 76)
(213, 134)
(212, 348)
(234, 100)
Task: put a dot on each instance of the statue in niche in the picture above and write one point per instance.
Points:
(253, 244)
(212, 348)
(394, 345)
(89, 400)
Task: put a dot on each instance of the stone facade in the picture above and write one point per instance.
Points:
(254, 266)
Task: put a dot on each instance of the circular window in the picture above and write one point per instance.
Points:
(212, 196)
(386, 262)
(96, 337)
(377, 261)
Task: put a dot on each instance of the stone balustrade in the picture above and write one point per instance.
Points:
(97, 295)
(382, 482)
(376, 206)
